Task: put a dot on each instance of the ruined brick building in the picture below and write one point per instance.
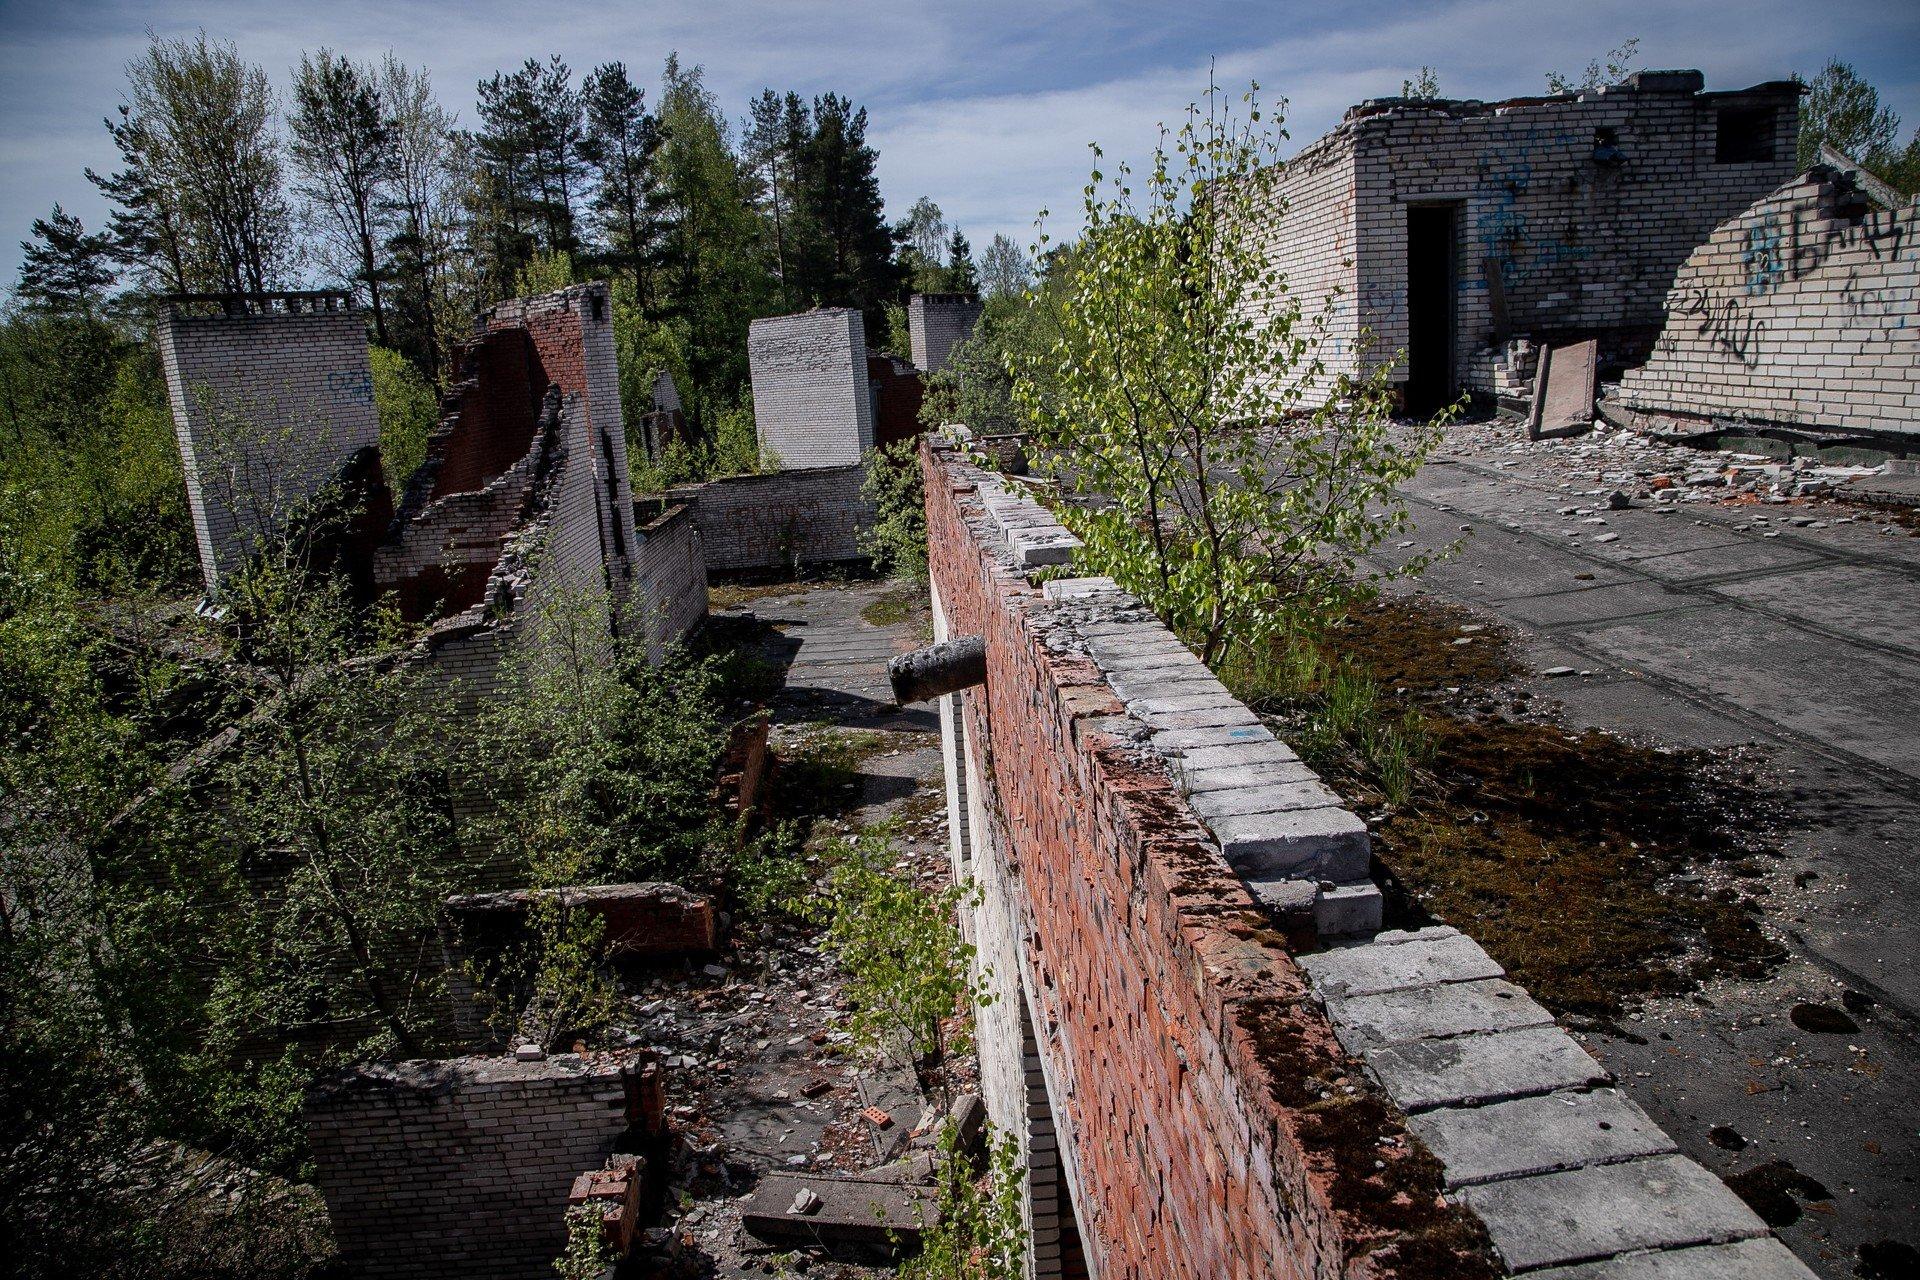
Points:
(1466, 234)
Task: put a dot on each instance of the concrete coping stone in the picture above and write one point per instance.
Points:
(1240, 753)
(1225, 735)
(1430, 1013)
(1394, 965)
(1462, 1070)
(1227, 715)
(1270, 797)
(1757, 1259)
(1319, 844)
(1225, 777)
(1582, 1215)
(1075, 588)
(1543, 1134)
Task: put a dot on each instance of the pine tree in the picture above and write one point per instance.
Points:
(344, 148)
(961, 276)
(844, 255)
(621, 143)
(531, 163)
(65, 269)
(777, 129)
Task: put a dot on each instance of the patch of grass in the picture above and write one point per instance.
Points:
(899, 605)
(1574, 858)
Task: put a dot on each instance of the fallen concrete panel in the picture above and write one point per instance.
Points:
(1563, 390)
(837, 1210)
(1593, 1213)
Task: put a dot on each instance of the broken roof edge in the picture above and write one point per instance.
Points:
(1688, 83)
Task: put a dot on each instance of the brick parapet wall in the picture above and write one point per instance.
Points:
(936, 324)
(669, 597)
(461, 1167)
(1798, 311)
(781, 521)
(1143, 852)
(266, 409)
(1174, 1026)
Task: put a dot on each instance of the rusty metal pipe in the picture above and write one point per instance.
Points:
(937, 670)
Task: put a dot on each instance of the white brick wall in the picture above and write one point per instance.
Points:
(780, 521)
(1791, 313)
(1583, 247)
(811, 401)
(265, 407)
(936, 324)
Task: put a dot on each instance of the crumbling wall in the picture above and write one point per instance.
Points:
(461, 1168)
(1173, 1031)
(1576, 208)
(1801, 311)
(937, 323)
(811, 401)
(781, 521)
(271, 394)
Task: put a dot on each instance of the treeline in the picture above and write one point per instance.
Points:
(361, 177)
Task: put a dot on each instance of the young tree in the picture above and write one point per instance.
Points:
(1426, 85)
(1843, 111)
(65, 270)
(1004, 269)
(201, 194)
(1215, 484)
(620, 143)
(924, 235)
(1619, 65)
(344, 148)
(961, 275)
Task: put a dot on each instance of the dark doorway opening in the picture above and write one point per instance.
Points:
(1432, 277)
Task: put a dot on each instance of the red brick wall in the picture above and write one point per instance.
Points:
(1174, 1021)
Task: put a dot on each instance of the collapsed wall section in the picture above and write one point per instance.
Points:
(271, 395)
(1803, 310)
(811, 401)
(461, 1167)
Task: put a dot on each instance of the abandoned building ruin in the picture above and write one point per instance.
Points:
(1469, 234)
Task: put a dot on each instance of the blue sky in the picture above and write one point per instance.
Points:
(987, 108)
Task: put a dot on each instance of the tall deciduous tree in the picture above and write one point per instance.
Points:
(1004, 269)
(1843, 111)
(424, 211)
(200, 196)
(344, 149)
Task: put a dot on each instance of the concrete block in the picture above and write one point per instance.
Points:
(1538, 1135)
(1226, 715)
(1175, 740)
(1226, 777)
(1265, 797)
(1319, 844)
(1393, 965)
(1032, 549)
(1425, 1013)
(1163, 704)
(1245, 753)
(1345, 909)
(1742, 1260)
(1075, 588)
(1420, 1074)
(1587, 1214)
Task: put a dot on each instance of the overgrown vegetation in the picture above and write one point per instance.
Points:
(897, 539)
(979, 1229)
(1597, 871)
(1226, 472)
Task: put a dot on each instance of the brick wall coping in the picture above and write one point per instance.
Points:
(444, 1075)
(1532, 1138)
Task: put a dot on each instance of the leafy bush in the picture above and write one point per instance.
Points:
(409, 410)
(897, 539)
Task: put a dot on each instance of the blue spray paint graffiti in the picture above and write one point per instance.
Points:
(349, 386)
(1761, 257)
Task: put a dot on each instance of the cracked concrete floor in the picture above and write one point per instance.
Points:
(1713, 625)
